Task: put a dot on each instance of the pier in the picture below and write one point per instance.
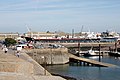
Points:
(89, 62)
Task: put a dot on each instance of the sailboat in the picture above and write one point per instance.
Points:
(89, 53)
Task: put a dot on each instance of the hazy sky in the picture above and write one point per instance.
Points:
(59, 15)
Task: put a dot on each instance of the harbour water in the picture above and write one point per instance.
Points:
(89, 73)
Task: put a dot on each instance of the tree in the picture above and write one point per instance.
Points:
(10, 41)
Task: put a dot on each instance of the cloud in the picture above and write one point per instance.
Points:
(46, 5)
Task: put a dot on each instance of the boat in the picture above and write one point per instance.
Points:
(115, 54)
(89, 53)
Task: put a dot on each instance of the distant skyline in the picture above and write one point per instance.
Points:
(59, 15)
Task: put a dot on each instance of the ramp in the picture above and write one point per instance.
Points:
(91, 62)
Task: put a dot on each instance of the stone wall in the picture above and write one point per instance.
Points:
(22, 68)
(49, 56)
(10, 63)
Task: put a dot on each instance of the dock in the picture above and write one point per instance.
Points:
(89, 62)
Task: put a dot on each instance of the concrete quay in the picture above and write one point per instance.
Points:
(51, 55)
(27, 66)
(22, 68)
(61, 56)
(87, 44)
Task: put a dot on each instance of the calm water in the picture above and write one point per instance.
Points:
(89, 73)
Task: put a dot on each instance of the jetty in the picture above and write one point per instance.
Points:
(89, 62)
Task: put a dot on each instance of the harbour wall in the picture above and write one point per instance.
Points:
(22, 68)
(103, 44)
(86, 45)
(49, 55)
(61, 56)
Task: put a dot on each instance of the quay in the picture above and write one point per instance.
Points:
(27, 66)
(82, 44)
(61, 56)
(22, 68)
(89, 62)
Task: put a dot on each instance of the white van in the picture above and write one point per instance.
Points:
(23, 46)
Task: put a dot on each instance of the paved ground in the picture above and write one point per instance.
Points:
(24, 62)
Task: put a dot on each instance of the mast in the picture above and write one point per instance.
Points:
(72, 33)
(29, 30)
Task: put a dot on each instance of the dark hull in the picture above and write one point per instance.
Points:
(115, 54)
(87, 55)
(29, 39)
(90, 55)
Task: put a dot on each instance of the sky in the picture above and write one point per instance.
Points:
(59, 15)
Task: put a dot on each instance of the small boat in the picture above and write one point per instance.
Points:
(115, 54)
(89, 53)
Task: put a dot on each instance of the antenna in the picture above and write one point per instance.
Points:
(72, 33)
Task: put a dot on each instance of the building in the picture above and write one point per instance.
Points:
(8, 35)
(41, 35)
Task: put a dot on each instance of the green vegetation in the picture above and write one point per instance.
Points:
(9, 42)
